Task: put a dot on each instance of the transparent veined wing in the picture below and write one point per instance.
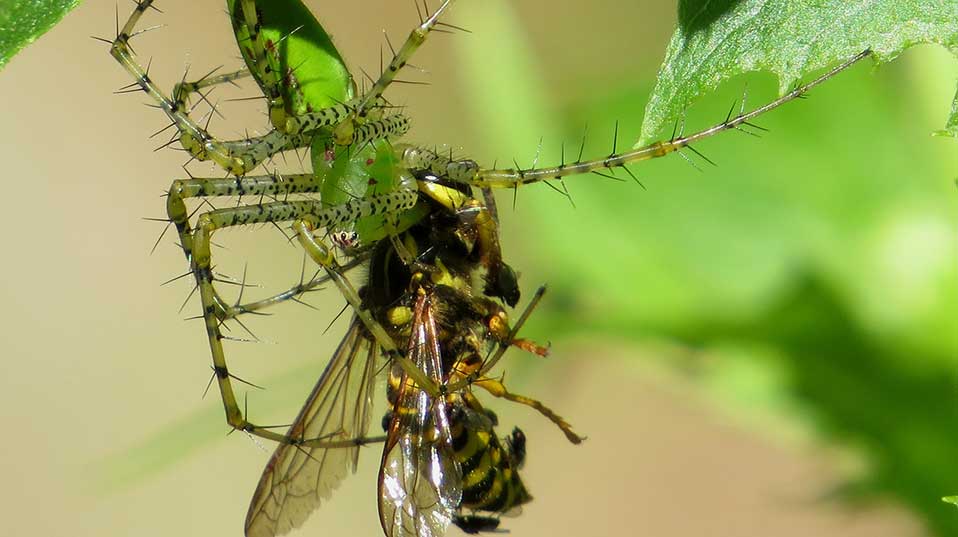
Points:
(420, 482)
(298, 477)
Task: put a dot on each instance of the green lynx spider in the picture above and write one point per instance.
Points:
(354, 128)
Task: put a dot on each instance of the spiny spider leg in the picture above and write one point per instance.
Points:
(400, 58)
(469, 172)
(183, 89)
(265, 61)
(293, 293)
(272, 187)
(317, 215)
(240, 156)
(324, 257)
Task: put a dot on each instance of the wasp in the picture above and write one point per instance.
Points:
(443, 462)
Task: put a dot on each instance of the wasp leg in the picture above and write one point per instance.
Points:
(510, 340)
(281, 211)
(474, 524)
(498, 389)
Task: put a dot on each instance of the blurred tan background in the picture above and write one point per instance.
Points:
(107, 432)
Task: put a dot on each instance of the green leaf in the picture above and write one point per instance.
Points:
(953, 500)
(718, 39)
(23, 21)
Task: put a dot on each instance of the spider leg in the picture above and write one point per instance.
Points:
(400, 59)
(184, 89)
(240, 156)
(263, 58)
(323, 256)
(319, 216)
(469, 172)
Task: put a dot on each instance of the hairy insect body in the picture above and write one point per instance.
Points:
(484, 476)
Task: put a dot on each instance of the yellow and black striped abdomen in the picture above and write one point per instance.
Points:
(490, 477)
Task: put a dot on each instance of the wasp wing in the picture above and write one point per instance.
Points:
(298, 478)
(420, 482)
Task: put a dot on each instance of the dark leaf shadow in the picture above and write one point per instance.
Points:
(697, 15)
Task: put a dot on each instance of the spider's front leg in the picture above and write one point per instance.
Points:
(184, 88)
(401, 58)
(319, 216)
(264, 187)
(235, 156)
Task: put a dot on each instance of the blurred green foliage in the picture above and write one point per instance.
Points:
(821, 256)
(23, 21)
